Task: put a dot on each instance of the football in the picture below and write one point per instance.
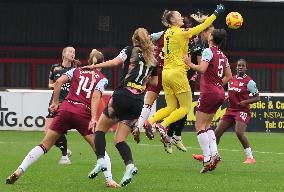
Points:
(234, 20)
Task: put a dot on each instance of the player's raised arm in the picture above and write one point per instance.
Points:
(110, 63)
(199, 28)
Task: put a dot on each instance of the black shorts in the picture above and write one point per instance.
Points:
(124, 105)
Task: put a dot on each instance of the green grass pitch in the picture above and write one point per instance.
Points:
(158, 171)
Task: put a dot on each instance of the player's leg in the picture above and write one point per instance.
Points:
(176, 139)
(61, 143)
(34, 154)
(174, 116)
(179, 125)
(107, 173)
(59, 126)
(153, 89)
(222, 126)
(171, 102)
(180, 86)
(150, 98)
(48, 121)
(184, 100)
(102, 127)
(121, 134)
(215, 157)
(240, 132)
(203, 140)
(211, 136)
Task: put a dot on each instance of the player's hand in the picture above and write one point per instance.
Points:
(187, 60)
(92, 125)
(53, 107)
(89, 67)
(51, 86)
(136, 135)
(219, 9)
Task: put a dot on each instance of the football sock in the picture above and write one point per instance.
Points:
(171, 129)
(212, 142)
(32, 157)
(170, 139)
(248, 153)
(180, 125)
(129, 166)
(125, 152)
(203, 141)
(107, 173)
(177, 138)
(144, 115)
(100, 142)
(61, 143)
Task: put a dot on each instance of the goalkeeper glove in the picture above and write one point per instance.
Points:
(220, 9)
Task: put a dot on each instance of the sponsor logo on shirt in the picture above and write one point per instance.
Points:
(232, 88)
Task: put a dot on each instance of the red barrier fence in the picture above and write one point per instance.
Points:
(8, 51)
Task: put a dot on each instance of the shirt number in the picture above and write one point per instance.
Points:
(243, 115)
(167, 44)
(141, 67)
(83, 86)
(221, 67)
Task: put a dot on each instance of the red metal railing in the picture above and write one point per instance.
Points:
(8, 51)
(273, 68)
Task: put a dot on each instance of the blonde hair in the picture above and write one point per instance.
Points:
(142, 38)
(65, 49)
(166, 18)
(95, 57)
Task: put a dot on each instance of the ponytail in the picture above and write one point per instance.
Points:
(95, 57)
(142, 38)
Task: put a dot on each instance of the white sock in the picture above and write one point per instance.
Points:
(107, 173)
(248, 153)
(31, 157)
(101, 161)
(178, 138)
(170, 139)
(203, 141)
(145, 113)
(212, 142)
(129, 166)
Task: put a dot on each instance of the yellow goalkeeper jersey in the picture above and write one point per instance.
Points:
(176, 41)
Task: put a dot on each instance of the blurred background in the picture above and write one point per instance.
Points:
(34, 32)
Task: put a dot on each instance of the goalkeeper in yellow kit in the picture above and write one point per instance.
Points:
(174, 80)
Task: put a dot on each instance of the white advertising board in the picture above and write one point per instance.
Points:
(23, 110)
(27, 109)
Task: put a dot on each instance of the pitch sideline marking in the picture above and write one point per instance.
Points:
(220, 149)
